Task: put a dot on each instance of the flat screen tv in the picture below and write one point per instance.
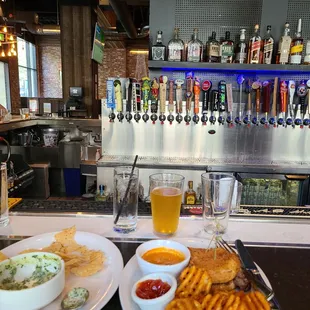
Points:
(98, 44)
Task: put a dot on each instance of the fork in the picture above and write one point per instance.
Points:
(256, 282)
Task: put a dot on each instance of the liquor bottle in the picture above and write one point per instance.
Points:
(241, 49)
(227, 49)
(190, 194)
(213, 49)
(159, 49)
(297, 46)
(255, 48)
(284, 46)
(307, 57)
(194, 48)
(176, 47)
(268, 47)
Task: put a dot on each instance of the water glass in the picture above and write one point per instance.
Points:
(125, 205)
(217, 191)
(236, 198)
(4, 208)
(166, 191)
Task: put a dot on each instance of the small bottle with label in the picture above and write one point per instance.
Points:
(213, 49)
(176, 47)
(284, 46)
(268, 47)
(159, 49)
(227, 49)
(297, 46)
(190, 194)
(241, 49)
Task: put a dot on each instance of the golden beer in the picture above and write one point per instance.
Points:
(166, 207)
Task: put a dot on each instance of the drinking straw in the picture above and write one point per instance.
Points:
(127, 191)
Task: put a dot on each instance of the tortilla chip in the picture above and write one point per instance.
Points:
(3, 257)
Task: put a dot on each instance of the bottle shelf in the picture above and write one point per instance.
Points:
(218, 67)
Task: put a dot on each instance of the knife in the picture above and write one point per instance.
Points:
(253, 272)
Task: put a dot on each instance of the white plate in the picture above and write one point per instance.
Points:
(132, 274)
(101, 286)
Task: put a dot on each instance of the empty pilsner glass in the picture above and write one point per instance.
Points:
(217, 191)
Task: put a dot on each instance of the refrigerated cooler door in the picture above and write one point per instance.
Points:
(274, 189)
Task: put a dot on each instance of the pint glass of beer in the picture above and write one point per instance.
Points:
(166, 191)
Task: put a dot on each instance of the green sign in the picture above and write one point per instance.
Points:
(98, 45)
(2, 37)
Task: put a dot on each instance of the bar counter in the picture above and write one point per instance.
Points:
(280, 248)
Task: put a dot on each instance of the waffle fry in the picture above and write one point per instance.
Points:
(194, 282)
(184, 304)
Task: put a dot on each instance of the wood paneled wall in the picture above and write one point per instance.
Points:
(76, 46)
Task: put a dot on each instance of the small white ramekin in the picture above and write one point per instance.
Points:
(148, 268)
(161, 302)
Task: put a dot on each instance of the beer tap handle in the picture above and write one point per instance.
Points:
(154, 95)
(118, 95)
(138, 97)
(266, 97)
(196, 93)
(283, 101)
(128, 95)
(170, 97)
(257, 87)
(146, 93)
(162, 93)
(189, 92)
(134, 96)
(222, 96)
(292, 89)
(274, 97)
(206, 86)
(178, 95)
(302, 93)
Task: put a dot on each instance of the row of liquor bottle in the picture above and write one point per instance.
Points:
(257, 51)
(276, 102)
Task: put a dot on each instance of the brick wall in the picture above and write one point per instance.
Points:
(49, 66)
(120, 62)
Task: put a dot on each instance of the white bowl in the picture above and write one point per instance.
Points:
(36, 297)
(148, 268)
(161, 302)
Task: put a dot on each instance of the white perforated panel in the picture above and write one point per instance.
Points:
(216, 15)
